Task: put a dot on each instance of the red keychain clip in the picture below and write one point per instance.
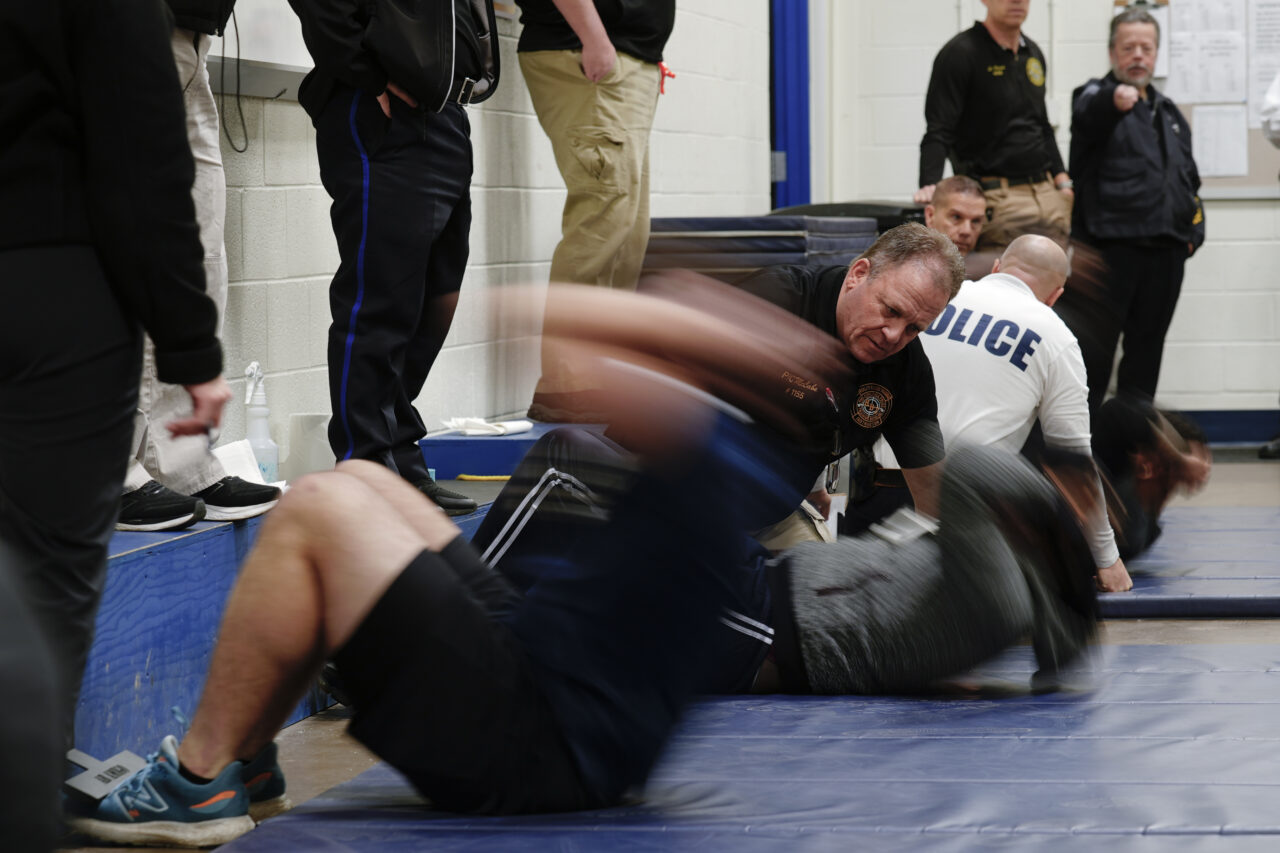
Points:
(662, 78)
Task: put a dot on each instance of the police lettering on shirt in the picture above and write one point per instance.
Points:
(1001, 338)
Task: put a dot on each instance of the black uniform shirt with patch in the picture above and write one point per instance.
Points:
(894, 397)
(985, 110)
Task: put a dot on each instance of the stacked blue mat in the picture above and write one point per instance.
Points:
(731, 247)
(1172, 748)
(1210, 561)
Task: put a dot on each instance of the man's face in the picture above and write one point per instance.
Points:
(877, 317)
(1006, 13)
(1133, 56)
(960, 217)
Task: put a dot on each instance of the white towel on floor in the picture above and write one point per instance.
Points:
(479, 426)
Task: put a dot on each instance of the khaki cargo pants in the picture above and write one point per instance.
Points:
(1038, 208)
(599, 133)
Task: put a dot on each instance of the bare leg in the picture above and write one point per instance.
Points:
(323, 559)
(421, 514)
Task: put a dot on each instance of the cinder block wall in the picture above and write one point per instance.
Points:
(709, 156)
(1223, 351)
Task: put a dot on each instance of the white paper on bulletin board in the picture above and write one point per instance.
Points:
(1220, 142)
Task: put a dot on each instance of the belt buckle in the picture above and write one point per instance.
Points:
(464, 91)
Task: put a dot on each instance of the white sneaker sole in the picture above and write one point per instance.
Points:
(167, 524)
(269, 808)
(206, 833)
(236, 513)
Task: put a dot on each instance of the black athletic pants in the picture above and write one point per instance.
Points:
(401, 214)
(1140, 287)
(69, 367)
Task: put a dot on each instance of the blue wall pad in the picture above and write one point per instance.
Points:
(1172, 749)
(452, 453)
(156, 629)
(156, 626)
(1210, 561)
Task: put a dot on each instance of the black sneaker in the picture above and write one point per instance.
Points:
(449, 501)
(154, 507)
(231, 499)
(1270, 450)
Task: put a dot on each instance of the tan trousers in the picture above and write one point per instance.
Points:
(600, 135)
(1038, 208)
(185, 464)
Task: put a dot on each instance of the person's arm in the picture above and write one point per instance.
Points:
(925, 484)
(598, 53)
(943, 106)
(334, 36)
(1064, 420)
(138, 173)
(1096, 109)
(1193, 176)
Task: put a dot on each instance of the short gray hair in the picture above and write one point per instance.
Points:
(1132, 16)
(912, 243)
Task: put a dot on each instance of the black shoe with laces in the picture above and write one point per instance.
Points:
(1270, 450)
(231, 499)
(151, 506)
(449, 501)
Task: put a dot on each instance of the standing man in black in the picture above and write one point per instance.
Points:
(985, 110)
(1138, 208)
(395, 155)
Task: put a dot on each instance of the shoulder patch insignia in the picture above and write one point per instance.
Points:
(1035, 72)
(873, 405)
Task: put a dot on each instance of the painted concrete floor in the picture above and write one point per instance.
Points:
(316, 754)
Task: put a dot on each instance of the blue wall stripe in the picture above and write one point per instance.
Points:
(355, 309)
(789, 35)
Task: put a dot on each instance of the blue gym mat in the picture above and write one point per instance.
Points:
(1172, 749)
(1210, 561)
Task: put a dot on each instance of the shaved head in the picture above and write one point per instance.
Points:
(1039, 262)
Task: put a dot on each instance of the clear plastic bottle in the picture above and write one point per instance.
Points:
(256, 417)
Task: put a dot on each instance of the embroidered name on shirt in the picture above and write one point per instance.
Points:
(791, 379)
(1001, 338)
(995, 70)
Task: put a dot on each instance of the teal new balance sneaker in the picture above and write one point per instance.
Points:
(265, 784)
(158, 806)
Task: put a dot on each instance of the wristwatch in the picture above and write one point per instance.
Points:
(1068, 184)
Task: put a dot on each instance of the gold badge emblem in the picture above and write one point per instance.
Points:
(1035, 72)
(873, 405)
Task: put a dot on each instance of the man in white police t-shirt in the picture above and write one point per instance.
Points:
(1002, 358)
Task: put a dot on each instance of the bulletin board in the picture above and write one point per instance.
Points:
(1217, 58)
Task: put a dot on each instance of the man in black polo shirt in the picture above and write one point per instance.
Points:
(985, 110)
(877, 306)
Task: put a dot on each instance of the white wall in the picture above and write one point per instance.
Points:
(709, 156)
(1223, 350)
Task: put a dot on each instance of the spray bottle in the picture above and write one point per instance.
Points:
(255, 400)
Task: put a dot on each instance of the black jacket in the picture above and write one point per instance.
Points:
(1134, 174)
(636, 27)
(203, 16)
(343, 38)
(94, 152)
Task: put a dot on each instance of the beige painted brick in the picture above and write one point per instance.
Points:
(264, 233)
(1082, 22)
(289, 345)
(233, 234)
(246, 330)
(1230, 221)
(896, 120)
(1253, 367)
(1220, 265)
(244, 169)
(896, 70)
(1192, 368)
(290, 148)
(1206, 317)
(310, 247)
(913, 23)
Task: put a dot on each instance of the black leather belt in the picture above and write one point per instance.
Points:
(997, 183)
(891, 478)
(460, 93)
